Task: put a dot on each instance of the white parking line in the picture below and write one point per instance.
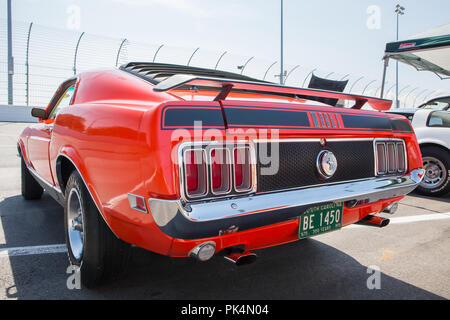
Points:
(61, 248)
(2, 234)
(409, 219)
(26, 251)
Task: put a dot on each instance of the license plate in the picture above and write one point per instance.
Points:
(321, 219)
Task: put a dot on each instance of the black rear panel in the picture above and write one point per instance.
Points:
(297, 165)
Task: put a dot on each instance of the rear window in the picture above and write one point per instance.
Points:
(437, 105)
(439, 119)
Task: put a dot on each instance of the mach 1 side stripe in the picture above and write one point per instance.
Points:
(183, 117)
(237, 117)
(176, 117)
(401, 125)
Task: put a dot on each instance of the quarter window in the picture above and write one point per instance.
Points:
(439, 119)
(64, 101)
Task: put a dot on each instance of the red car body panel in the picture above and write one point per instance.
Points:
(114, 133)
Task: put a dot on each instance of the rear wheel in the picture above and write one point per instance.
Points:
(31, 189)
(436, 163)
(91, 245)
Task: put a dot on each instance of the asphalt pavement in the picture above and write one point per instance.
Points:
(409, 259)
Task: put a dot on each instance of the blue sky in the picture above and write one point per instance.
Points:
(329, 35)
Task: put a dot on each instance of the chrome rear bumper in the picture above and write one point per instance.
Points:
(205, 219)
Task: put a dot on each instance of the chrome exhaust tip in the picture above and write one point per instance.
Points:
(203, 252)
(375, 221)
(392, 208)
(240, 259)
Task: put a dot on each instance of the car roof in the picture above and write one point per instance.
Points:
(436, 99)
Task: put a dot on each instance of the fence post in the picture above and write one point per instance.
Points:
(429, 95)
(392, 87)
(192, 56)
(415, 99)
(265, 74)
(154, 57)
(368, 86)
(118, 51)
(289, 73)
(75, 56)
(376, 91)
(243, 67)
(220, 58)
(399, 94)
(353, 85)
(312, 71)
(407, 96)
(27, 65)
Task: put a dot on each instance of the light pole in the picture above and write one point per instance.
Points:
(399, 11)
(10, 56)
(281, 59)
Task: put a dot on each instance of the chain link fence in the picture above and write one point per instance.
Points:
(44, 57)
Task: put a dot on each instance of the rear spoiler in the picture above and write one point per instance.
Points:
(227, 85)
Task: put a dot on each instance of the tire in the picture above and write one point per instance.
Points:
(436, 181)
(102, 256)
(31, 189)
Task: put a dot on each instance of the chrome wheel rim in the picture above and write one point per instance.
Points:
(75, 224)
(435, 173)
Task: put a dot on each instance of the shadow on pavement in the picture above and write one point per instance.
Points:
(302, 270)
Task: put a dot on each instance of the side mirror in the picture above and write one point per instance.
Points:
(39, 113)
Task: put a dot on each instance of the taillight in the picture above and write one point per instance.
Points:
(220, 171)
(216, 170)
(390, 157)
(195, 173)
(242, 169)
(401, 157)
(381, 158)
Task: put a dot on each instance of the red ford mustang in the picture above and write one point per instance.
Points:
(185, 161)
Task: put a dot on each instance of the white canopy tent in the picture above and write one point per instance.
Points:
(426, 51)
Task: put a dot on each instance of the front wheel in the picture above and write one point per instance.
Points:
(91, 245)
(436, 163)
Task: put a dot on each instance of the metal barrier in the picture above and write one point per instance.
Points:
(44, 57)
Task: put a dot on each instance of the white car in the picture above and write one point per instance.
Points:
(432, 128)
